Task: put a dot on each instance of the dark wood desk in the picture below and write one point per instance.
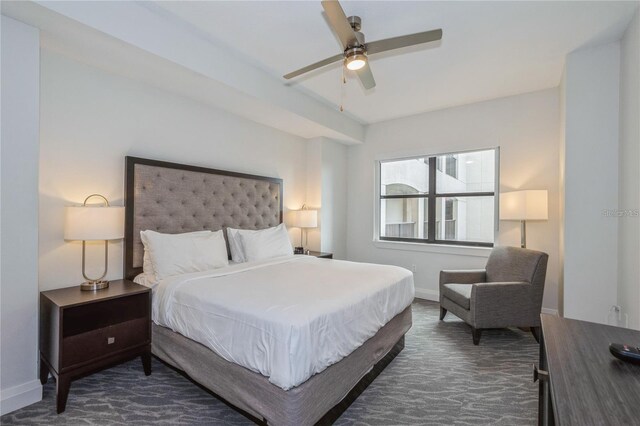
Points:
(586, 385)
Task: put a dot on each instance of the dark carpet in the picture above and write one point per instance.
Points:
(440, 378)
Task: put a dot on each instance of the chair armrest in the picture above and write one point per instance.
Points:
(500, 290)
(503, 304)
(469, 276)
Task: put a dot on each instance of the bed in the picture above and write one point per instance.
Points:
(291, 340)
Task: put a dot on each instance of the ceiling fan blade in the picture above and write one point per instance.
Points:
(366, 77)
(339, 22)
(312, 67)
(403, 41)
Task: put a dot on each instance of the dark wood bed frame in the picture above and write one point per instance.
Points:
(130, 272)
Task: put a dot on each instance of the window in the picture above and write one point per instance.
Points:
(448, 164)
(444, 199)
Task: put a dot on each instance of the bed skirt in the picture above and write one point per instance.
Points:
(305, 404)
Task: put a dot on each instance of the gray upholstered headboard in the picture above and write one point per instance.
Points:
(174, 198)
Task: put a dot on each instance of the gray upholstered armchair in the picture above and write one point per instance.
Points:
(507, 293)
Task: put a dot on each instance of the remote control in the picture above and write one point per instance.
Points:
(625, 352)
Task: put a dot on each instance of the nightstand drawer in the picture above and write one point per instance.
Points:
(87, 346)
(93, 316)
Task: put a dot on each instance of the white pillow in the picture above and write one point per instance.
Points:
(235, 241)
(235, 245)
(147, 266)
(145, 280)
(266, 244)
(175, 254)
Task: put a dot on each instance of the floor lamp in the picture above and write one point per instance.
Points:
(530, 204)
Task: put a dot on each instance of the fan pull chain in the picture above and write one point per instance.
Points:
(342, 90)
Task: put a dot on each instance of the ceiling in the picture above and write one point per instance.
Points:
(489, 49)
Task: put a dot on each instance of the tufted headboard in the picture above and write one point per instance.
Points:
(174, 198)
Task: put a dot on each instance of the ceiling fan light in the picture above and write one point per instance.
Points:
(355, 62)
(355, 58)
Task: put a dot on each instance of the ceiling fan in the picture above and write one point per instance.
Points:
(356, 51)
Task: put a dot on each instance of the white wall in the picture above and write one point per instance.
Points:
(561, 194)
(525, 127)
(19, 213)
(327, 191)
(334, 199)
(313, 198)
(591, 181)
(629, 174)
(91, 119)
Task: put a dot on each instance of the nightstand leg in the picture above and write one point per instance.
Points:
(146, 363)
(44, 372)
(62, 392)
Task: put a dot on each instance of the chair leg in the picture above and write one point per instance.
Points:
(536, 333)
(476, 333)
(443, 312)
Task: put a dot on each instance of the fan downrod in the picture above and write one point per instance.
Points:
(355, 22)
(356, 25)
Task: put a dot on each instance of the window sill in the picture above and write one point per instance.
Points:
(434, 248)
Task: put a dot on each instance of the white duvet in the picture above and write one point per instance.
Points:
(286, 318)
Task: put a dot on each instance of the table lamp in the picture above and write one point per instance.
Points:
(304, 219)
(530, 204)
(94, 223)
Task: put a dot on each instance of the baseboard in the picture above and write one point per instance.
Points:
(433, 295)
(550, 311)
(14, 398)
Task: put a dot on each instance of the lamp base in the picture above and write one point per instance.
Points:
(523, 234)
(94, 285)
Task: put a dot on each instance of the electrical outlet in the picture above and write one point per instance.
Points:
(616, 317)
(413, 268)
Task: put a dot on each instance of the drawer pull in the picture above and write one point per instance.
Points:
(111, 340)
(541, 375)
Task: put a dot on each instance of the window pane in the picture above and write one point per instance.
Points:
(403, 218)
(466, 172)
(465, 219)
(404, 177)
(425, 211)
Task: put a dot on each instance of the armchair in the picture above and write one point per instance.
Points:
(507, 293)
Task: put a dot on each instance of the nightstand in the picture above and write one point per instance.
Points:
(82, 332)
(321, 254)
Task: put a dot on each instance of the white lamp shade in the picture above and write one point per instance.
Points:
(94, 223)
(305, 218)
(524, 205)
